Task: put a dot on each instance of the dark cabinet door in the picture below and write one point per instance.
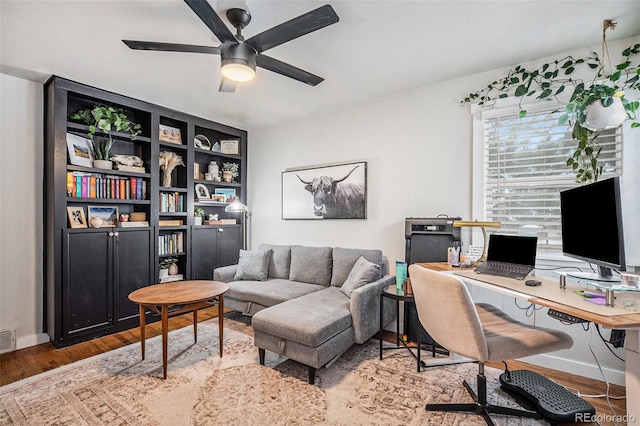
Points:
(204, 242)
(87, 275)
(229, 245)
(133, 253)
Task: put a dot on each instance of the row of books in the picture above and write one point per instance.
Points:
(220, 222)
(95, 185)
(171, 243)
(171, 202)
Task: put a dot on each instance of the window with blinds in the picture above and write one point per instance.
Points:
(525, 170)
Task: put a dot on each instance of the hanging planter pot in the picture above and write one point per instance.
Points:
(601, 117)
(103, 164)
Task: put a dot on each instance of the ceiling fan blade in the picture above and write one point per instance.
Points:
(227, 85)
(296, 27)
(170, 47)
(287, 70)
(211, 19)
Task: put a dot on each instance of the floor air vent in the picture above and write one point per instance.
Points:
(7, 340)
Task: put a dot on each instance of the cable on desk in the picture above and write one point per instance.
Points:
(615, 415)
(607, 342)
(529, 310)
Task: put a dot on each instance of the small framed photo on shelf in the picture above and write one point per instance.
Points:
(219, 198)
(229, 146)
(202, 193)
(103, 216)
(170, 134)
(77, 218)
(229, 194)
(80, 150)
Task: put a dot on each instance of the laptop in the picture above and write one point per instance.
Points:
(511, 256)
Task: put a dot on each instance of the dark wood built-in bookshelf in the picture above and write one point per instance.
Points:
(89, 272)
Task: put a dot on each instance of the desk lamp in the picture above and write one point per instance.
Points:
(482, 226)
(237, 207)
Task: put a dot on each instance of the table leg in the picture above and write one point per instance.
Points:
(195, 326)
(221, 321)
(380, 332)
(632, 375)
(143, 326)
(397, 323)
(419, 344)
(165, 333)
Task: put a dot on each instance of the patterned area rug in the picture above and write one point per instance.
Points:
(118, 388)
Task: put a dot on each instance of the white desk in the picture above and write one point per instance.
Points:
(550, 295)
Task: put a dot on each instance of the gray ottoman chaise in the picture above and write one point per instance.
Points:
(309, 304)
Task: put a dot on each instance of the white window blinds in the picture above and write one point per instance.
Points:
(525, 170)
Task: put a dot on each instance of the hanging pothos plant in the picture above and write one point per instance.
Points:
(553, 78)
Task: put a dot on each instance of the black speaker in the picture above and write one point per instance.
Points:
(426, 240)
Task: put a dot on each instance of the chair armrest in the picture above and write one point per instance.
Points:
(365, 309)
(225, 273)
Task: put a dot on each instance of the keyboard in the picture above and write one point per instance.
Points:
(503, 269)
(552, 401)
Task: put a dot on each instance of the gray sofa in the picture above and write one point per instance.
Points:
(306, 307)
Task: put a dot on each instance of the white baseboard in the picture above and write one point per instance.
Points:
(31, 340)
(578, 368)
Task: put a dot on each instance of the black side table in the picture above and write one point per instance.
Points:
(392, 292)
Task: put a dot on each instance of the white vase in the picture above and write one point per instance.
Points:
(600, 117)
(103, 164)
(197, 220)
(213, 169)
(163, 273)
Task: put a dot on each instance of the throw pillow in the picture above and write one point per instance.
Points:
(280, 260)
(253, 265)
(311, 264)
(362, 273)
(345, 258)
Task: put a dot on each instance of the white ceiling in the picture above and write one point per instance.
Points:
(377, 49)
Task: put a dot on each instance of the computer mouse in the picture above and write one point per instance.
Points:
(532, 283)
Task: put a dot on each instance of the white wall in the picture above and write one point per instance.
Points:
(21, 209)
(418, 146)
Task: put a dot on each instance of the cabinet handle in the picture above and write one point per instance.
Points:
(111, 234)
(220, 230)
(116, 234)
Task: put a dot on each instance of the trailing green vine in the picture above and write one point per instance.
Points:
(551, 79)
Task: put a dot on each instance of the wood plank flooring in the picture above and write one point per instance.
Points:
(30, 361)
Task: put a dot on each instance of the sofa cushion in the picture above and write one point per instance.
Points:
(280, 262)
(270, 292)
(253, 265)
(345, 258)
(310, 320)
(311, 264)
(363, 272)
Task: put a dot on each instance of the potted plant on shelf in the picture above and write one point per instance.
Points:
(105, 119)
(198, 214)
(168, 266)
(229, 171)
(591, 108)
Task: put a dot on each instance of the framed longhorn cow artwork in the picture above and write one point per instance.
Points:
(336, 191)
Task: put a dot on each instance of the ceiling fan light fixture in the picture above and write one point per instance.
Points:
(238, 70)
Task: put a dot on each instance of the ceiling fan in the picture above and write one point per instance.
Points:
(239, 56)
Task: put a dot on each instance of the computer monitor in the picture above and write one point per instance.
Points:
(592, 228)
